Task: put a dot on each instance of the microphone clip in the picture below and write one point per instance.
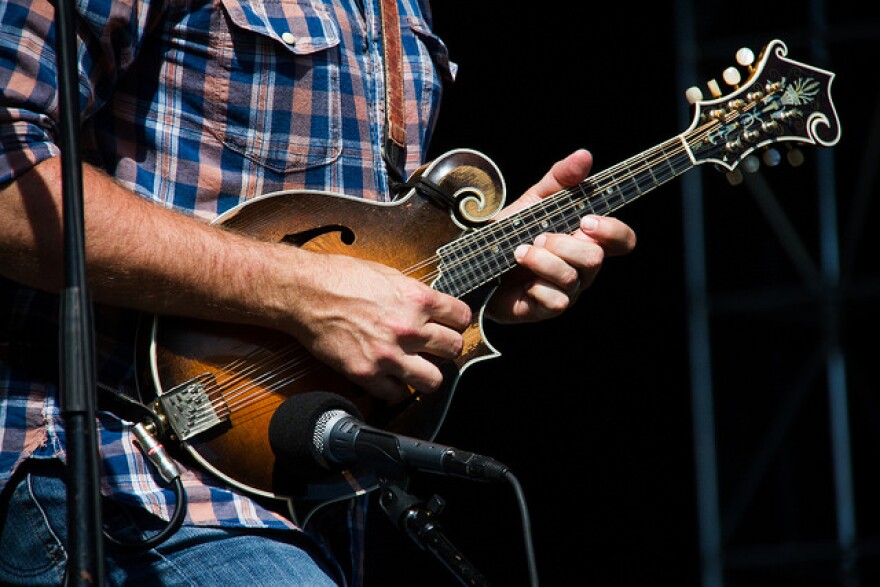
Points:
(419, 522)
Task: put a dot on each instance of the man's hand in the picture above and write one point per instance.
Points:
(556, 268)
(370, 322)
(377, 326)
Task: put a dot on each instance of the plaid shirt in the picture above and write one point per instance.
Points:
(199, 105)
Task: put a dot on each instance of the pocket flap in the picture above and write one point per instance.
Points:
(300, 27)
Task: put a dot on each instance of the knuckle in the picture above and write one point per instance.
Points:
(570, 278)
(403, 329)
(433, 380)
(364, 371)
(557, 304)
(420, 295)
(594, 257)
(385, 355)
(465, 313)
(458, 345)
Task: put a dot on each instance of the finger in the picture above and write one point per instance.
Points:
(386, 387)
(533, 300)
(564, 261)
(547, 299)
(516, 304)
(613, 235)
(437, 340)
(398, 378)
(449, 311)
(420, 373)
(565, 173)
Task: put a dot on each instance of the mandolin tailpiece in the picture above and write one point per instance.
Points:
(191, 410)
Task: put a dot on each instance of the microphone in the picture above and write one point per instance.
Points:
(325, 429)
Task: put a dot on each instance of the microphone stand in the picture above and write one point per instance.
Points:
(85, 547)
(418, 521)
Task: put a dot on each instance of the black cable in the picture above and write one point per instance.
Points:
(527, 527)
(145, 438)
(156, 539)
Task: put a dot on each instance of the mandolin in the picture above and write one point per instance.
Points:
(217, 386)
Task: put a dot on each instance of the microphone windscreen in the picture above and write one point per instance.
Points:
(292, 427)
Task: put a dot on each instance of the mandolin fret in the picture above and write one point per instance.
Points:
(482, 255)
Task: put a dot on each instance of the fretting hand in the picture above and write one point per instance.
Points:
(556, 268)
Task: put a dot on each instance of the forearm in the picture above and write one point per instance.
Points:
(364, 319)
(140, 255)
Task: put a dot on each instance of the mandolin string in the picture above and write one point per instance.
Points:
(275, 380)
(241, 382)
(258, 374)
(497, 229)
(278, 377)
(252, 365)
(553, 200)
(277, 384)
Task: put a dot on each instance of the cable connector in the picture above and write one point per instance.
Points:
(145, 438)
(155, 451)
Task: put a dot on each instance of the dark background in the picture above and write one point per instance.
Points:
(593, 411)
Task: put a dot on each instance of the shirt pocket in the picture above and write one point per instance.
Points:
(276, 100)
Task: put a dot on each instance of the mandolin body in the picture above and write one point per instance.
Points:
(230, 379)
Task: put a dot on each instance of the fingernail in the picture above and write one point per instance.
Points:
(589, 223)
(540, 240)
(520, 252)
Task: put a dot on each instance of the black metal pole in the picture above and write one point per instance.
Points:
(85, 547)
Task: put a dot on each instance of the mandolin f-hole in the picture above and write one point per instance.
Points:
(346, 235)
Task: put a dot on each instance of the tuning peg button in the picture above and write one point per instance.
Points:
(714, 89)
(750, 164)
(745, 57)
(734, 177)
(731, 76)
(771, 157)
(693, 95)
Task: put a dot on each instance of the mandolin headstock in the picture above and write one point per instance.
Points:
(781, 101)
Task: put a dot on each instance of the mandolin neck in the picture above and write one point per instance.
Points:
(482, 255)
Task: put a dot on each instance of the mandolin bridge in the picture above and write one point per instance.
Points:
(194, 406)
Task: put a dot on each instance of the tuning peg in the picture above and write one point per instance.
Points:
(771, 157)
(795, 157)
(745, 57)
(750, 164)
(714, 89)
(734, 177)
(693, 95)
(732, 77)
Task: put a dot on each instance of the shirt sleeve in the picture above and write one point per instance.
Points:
(108, 37)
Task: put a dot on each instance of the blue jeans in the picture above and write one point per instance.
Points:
(33, 537)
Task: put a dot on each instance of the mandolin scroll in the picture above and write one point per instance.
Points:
(471, 181)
